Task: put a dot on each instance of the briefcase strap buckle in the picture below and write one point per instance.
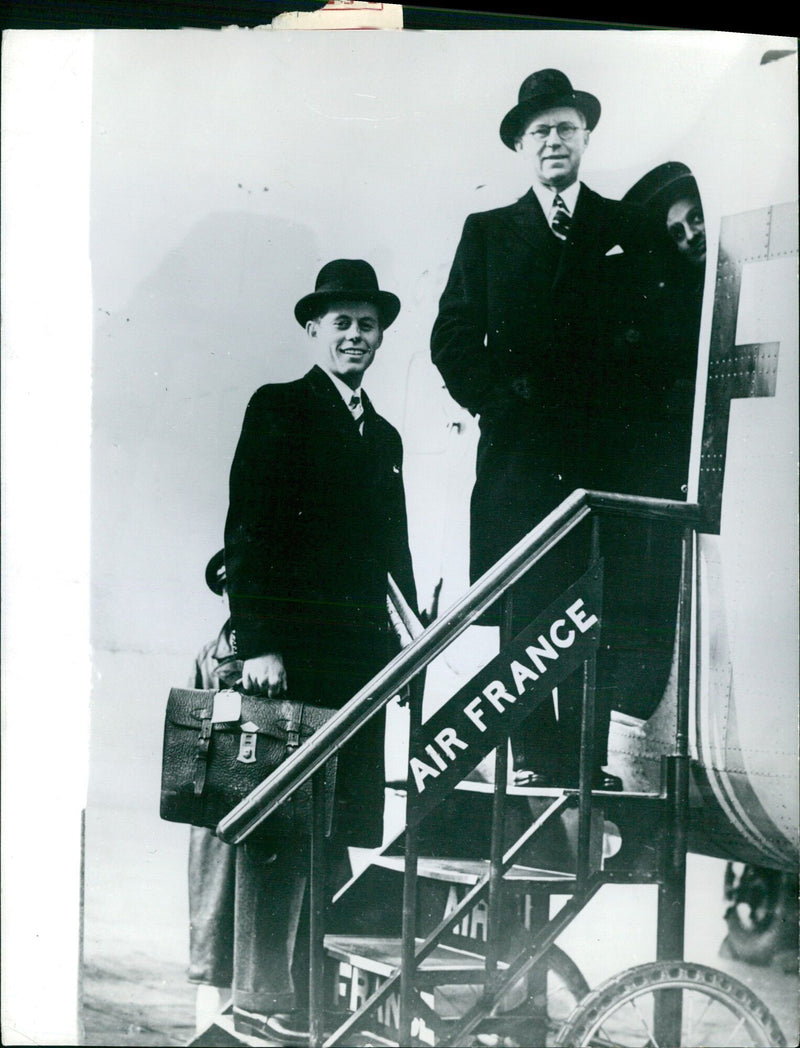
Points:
(201, 753)
(293, 726)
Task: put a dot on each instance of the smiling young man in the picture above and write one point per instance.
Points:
(349, 336)
(316, 520)
(524, 340)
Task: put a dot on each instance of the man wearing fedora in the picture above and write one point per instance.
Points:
(316, 520)
(522, 341)
(675, 299)
(670, 190)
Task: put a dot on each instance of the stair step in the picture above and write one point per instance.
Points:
(222, 1033)
(487, 788)
(381, 956)
(470, 871)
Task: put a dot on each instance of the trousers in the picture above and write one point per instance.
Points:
(250, 917)
(212, 894)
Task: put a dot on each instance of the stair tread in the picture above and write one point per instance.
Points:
(512, 790)
(382, 955)
(225, 1022)
(467, 871)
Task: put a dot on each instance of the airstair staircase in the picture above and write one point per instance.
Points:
(448, 935)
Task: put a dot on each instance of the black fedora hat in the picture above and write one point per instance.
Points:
(661, 187)
(546, 89)
(348, 279)
(215, 573)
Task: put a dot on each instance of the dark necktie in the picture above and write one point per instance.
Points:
(560, 218)
(357, 411)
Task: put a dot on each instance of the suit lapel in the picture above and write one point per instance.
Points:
(370, 417)
(371, 441)
(330, 406)
(383, 461)
(527, 220)
(362, 456)
(583, 234)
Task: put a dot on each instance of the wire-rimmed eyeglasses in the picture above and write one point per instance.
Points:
(564, 130)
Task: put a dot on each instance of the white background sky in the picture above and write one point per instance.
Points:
(228, 167)
(205, 177)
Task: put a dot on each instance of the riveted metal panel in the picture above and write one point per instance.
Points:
(738, 371)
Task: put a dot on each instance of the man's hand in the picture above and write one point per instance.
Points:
(427, 615)
(265, 674)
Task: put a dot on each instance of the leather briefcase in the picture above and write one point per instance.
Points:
(220, 745)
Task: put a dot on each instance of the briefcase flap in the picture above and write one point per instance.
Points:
(188, 708)
(210, 764)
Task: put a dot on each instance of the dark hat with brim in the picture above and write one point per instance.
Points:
(546, 89)
(347, 280)
(215, 573)
(661, 187)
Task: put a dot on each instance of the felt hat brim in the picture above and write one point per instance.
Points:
(215, 573)
(661, 187)
(516, 119)
(318, 302)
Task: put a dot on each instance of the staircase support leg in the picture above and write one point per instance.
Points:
(317, 911)
(494, 923)
(536, 980)
(408, 962)
(586, 757)
(493, 944)
(667, 1018)
(586, 764)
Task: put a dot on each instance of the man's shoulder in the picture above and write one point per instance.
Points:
(279, 394)
(621, 209)
(635, 226)
(502, 213)
(204, 653)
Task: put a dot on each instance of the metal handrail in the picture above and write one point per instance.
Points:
(347, 721)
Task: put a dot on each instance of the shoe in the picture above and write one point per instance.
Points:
(601, 780)
(604, 780)
(290, 1028)
(250, 1023)
(541, 779)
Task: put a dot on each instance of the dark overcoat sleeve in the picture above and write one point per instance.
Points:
(196, 679)
(399, 553)
(458, 339)
(264, 501)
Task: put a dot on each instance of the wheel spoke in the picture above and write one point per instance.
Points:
(739, 1026)
(709, 1002)
(648, 1029)
(609, 1042)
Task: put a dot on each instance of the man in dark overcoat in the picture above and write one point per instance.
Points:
(669, 322)
(212, 863)
(316, 520)
(524, 340)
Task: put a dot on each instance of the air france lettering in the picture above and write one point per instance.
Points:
(499, 695)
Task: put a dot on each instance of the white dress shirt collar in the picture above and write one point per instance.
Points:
(344, 391)
(545, 195)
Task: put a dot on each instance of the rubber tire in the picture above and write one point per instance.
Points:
(761, 943)
(634, 982)
(567, 970)
(570, 974)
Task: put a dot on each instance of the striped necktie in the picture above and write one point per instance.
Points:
(560, 218)
(357, 411)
